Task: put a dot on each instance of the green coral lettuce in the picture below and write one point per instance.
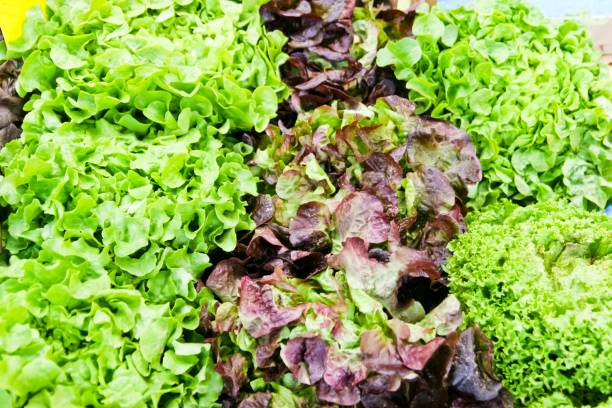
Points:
(537, 279)
(125, 178)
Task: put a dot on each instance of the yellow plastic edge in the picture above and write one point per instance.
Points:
(12, 16)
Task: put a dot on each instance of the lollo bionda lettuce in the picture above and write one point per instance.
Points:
(537, 279)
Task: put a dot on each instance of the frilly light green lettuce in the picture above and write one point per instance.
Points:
(125, 178)
(537, 279)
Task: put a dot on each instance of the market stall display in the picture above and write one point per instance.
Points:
(303, 203)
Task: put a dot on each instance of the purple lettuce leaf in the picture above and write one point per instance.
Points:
(226, 319)
(308, 230)
(305, 358)
(343, 369)
(346, 396)
(386, 281)
(259, 312)
(11, 104)
(434, 191)
(263, 209)
(225, 277)
(380, 354)
(266, 350)
(362, 215)
(472, 374)
(439, 144)
(438, 232)
(382, 177)
(257, 400)
(234, 373)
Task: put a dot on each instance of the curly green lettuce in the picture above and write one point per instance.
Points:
(533, 95)
(537, 279)
(125, 178)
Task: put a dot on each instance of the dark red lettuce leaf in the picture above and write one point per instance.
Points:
(438, 232)
(380, 354)
(225, 277)
(320, 34)
(387, 281)
(435, 193)
(257, 400)
(308, 230)
(343, 370)
(259, 313)
(345, 396)
(362, 215)
(378, 82)
(382, 177)
(263, 209)
(11, 113)
(265, 352)
(234, 373)
(305, 357)
(415, 356)
(267, 242)
(379, 384)
(331, 56)
(439, 144)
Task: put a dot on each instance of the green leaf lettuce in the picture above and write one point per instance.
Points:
(533, 95)
(125, 178)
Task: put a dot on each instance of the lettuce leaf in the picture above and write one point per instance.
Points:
(332, 49)
(10, 104)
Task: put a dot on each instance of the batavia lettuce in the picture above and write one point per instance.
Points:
(124, 179)
(337, 297)
(537, 279)
(534, 96)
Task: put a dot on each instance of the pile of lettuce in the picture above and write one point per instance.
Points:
(126, 176)
(534, 96)
(337, 297)
(537, 279)
(10, 104)
(156, 249)
(332, 49)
